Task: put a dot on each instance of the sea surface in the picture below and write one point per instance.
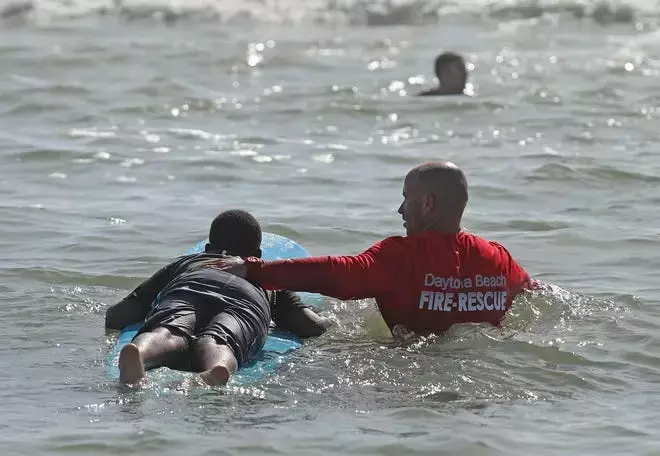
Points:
(126, 126)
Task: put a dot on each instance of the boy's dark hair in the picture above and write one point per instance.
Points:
(450, 59)
(237, 232)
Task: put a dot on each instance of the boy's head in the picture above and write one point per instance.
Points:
(237, 232)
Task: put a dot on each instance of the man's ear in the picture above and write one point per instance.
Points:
(429, 202)
(259, 253)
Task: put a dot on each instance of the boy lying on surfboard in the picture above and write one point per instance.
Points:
(201, 319)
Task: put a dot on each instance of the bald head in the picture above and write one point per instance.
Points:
(435, 196)
(446, 181)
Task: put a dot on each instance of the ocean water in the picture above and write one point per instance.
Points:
(125, 127)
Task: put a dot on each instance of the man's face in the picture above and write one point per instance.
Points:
(416, 205)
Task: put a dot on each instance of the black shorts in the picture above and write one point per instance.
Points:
(229, 322)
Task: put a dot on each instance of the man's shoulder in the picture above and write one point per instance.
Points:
(394, 240)
(485, 251)
(426, 240)
(472, 238)
(476, 242)
(390, 242)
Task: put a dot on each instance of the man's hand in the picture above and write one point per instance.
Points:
(232, 265)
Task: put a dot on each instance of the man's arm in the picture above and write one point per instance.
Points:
(135, 307)
(366, 275)
(291, 314)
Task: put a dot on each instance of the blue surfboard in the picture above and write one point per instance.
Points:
(278, 343)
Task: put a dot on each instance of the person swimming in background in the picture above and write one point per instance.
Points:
(452, 74)
(204, 320)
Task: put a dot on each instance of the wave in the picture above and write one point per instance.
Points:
(354, 12)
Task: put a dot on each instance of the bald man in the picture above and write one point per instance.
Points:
(434, 277)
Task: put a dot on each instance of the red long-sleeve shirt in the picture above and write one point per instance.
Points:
(425, 282)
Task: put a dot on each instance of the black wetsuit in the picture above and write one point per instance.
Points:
(196, 301)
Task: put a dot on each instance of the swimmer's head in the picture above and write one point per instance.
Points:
(451, 71)
(434, 197)
(237, 233)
